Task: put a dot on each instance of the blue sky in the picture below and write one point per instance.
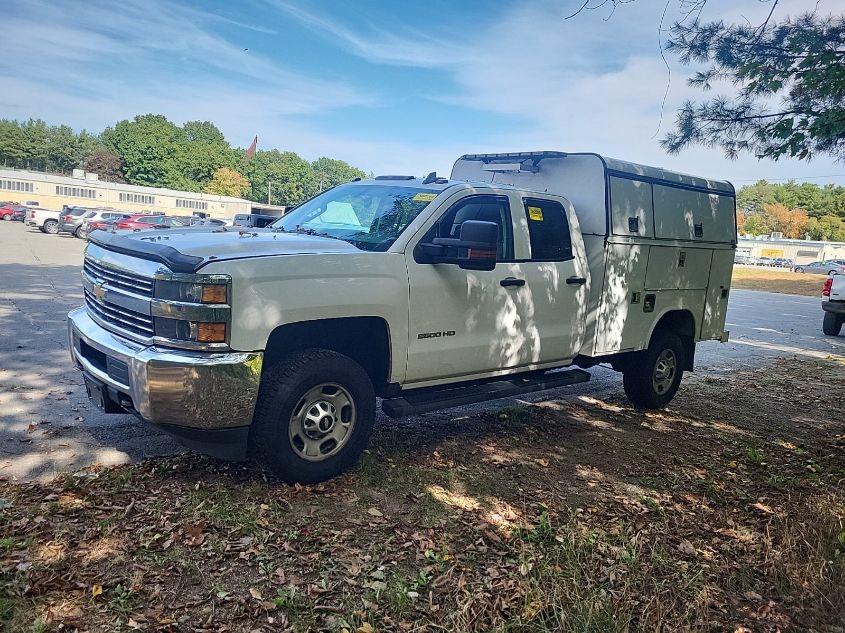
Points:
(392, 87)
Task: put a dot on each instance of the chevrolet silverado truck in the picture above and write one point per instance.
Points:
(512, 276)
(833, 304)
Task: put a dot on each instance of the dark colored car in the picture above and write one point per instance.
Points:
(254, 220)
(138, 222)
(12, 211)
(70, 219)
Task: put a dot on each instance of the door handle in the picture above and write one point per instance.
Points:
(576, 281)
(512, 281)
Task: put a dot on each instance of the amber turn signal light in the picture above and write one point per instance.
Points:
(215, 293)
(211, 332)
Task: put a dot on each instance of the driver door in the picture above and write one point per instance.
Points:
(465, 322)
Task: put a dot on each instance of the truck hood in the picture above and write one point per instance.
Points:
(188, 249)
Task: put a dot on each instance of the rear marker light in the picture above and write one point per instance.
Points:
(828, 284)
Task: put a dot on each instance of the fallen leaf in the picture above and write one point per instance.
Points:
(366, 628)
(687, 548)
(255, 593)
(96, 590)
(376, 513)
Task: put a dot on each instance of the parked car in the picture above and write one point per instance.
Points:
(765, 261)
(207, 222)
(280, 344)
(254, 220)
(782, 262)
(70, 219)
(748, 260)
(829, 267)
(43, 219)
(137, 222)
(12, 211)
(833, 304)
(98, 218)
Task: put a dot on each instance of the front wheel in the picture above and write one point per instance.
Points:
(314, 416)
(799, 269)
(831, 273)
(652, 381)
(7, 218)
(832, 324)
(51, 227)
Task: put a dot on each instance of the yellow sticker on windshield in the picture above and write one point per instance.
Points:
(535, 213)
(424, 197)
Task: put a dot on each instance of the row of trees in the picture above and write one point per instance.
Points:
(796, 210)
(153, 151)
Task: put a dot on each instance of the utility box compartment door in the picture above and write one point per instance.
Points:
(631, 207)
(677, 268)
(716, 306)
(682, 214)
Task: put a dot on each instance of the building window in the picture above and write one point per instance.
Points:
(16, 185)
(196, 205)
(75, 192)
(137, 198)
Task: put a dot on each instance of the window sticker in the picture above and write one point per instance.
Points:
(535, 213)
(425, 197)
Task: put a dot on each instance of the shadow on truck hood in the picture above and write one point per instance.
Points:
(188, 249)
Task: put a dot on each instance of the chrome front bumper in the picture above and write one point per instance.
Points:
(198, 390)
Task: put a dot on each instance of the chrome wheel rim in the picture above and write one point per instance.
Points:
(322, 422)
(664, 371)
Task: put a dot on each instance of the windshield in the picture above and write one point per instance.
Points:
(369, 217)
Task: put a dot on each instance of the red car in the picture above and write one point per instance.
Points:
(10, 212)
(145, 221)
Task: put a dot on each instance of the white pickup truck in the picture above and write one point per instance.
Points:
(833, 304)
(44, 219)
(507, 278)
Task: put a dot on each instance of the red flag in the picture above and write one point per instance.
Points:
(250, 152)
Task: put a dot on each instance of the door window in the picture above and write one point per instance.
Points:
(548, 230)
(486, 208)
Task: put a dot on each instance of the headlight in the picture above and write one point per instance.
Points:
(195, 311)
(191, 292)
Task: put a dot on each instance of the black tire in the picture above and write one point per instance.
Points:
(832, 324)
(799, 269)
(51, 227)
(81, 233)
(283, 389)
(639, 378)
(7, 218)
(831, 273)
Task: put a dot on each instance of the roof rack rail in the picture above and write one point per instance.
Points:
(394, 178)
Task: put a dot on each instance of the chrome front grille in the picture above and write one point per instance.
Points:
(121, 279)
(118, 316)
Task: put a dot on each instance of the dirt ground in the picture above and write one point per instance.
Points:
(724, 512)
(778, 280)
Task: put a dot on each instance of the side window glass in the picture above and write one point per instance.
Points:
(486, 208)
(548, 230)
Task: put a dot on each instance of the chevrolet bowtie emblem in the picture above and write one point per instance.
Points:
(100, 292)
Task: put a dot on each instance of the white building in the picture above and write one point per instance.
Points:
(799, 251)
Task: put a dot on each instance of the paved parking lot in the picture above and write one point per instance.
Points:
(47, 425)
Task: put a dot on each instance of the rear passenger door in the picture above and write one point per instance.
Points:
(554, 298)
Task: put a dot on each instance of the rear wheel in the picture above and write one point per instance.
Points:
(652, 380)
(51, 227)
(314, 416)
(799, 269)
(832, 324)
(7, 217)
(81, 233)
(830, 273)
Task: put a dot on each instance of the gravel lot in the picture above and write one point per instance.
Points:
(47, 425)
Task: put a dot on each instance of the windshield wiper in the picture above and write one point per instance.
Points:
(316, 233)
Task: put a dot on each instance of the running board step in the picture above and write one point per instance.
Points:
(419, 401)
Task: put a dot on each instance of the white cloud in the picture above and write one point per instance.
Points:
(583, 84)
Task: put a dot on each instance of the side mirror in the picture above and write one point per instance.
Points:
(475, 249)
